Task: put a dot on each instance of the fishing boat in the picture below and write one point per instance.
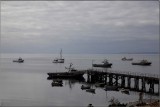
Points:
(142, 62)
(105, 64)
(20, 60)
(127, 59)
(59, 60)
(85, 87)
(71, 73)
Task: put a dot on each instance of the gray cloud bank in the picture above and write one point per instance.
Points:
(79, 26)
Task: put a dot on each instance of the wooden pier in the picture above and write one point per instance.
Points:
(125, 80)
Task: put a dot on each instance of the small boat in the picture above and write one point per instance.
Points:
(20, 60)
(59, 60)
(110, 88)
(85, 87)
(58, 81)
(142, 62)
(90, 90)
(127, 59)
(56, 84)
(105, 64)
(72, 73)
(125, 91)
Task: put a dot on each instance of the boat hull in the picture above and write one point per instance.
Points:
(18, 61)
(102, 65)
(58, 61)
(85, 87)
(66, 75)
(90, 90)
(143, 64)
(127, 59)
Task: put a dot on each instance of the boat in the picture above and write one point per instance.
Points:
(59, 60)
(105, 64)
(57, 83)
(71, 73)
(110, 88)
(125, 91)
(20, 60)
(85, 87)
(127, 59)
(90, 90)
(142, 62)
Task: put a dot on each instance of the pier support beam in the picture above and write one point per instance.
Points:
(116, 82)
(105, 81)
(143, 85)
(123, 81)
(136, 83)
(88, 77)
(110, 79)
(129, 83)
(151, 89)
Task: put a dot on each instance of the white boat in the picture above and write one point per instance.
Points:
(59, 60)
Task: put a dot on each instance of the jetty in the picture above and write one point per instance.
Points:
(125, 79)
(128, 80)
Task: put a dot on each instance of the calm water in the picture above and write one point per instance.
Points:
(26, 84)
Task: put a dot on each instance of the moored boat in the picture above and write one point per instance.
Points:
(105, 64)
(56, 83)
(59, 60)
(72, 73)
(20, 60)
(91, 91)
(125, 91)
(85, 87)
(127, 59)
(142, 62)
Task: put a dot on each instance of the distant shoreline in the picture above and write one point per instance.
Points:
(85, 53)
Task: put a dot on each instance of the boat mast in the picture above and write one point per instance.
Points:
(61, 54)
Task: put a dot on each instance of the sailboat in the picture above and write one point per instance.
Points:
(59, 60)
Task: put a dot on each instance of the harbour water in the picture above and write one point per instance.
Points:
(26, 84)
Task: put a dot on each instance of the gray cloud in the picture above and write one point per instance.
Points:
(79, 26)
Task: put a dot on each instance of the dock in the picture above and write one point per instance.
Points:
(133, 81)
(125, 79)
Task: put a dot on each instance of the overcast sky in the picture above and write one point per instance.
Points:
(79, 26)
